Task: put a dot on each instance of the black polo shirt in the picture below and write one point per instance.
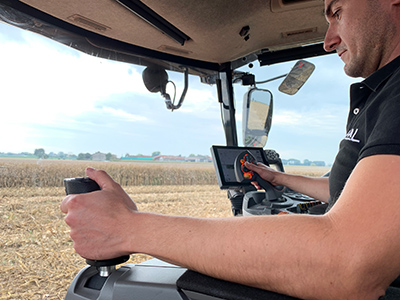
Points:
(373, 124)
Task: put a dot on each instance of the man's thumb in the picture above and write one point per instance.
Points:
(101, 177)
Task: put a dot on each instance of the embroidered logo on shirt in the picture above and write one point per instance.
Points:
(350, 136)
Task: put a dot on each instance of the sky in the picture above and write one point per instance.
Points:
(62, 100)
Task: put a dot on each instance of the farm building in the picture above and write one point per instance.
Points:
(98, 156)
(169, 158)
(137, 157)
(198, 158)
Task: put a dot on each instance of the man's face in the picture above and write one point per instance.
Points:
(359, 31)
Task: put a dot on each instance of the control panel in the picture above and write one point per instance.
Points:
(232, 174)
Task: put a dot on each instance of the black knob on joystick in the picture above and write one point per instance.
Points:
(81, 185)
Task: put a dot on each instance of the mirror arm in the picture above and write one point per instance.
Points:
(184, 90)
(169, 103)
(272, 79)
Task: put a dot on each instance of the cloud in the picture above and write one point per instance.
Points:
(62, 78)
(287, 118)
(312, 122)
(124, 116)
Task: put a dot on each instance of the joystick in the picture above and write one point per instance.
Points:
(242, 173)
(82, 185)
(245, 175)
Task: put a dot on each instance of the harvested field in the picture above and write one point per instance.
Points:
(36, 254)
(307, 170)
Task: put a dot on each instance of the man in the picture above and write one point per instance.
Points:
(351, 252)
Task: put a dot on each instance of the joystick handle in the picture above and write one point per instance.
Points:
(81, 185)
(245, 175)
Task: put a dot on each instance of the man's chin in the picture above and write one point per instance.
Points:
(350, 70)
(354, 71)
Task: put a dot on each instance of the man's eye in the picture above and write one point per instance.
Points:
(336, 14)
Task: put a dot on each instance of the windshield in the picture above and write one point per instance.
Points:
(63, 111)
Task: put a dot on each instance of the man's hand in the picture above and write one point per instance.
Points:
(265, 172)
(99, 219)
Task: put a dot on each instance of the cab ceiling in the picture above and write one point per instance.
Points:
(216, 29)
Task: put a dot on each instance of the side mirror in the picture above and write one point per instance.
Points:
(257, 117)
(300, 73)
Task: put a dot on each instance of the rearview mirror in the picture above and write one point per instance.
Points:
(301, 71)
(257, 117)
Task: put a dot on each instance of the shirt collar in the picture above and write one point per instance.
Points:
(378, 77)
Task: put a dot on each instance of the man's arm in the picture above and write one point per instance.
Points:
(315, 187)
(349, 253)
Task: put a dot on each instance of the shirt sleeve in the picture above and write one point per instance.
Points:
(384, 135)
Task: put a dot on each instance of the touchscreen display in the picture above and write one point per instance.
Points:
(224, 163)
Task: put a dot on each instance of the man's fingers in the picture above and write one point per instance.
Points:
(252, 167)
(256, 185)
(248, 165)
(101, 177)
(64, 206)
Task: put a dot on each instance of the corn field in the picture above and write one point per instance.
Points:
(51, 173)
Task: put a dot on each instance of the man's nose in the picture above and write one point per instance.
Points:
(332, 39)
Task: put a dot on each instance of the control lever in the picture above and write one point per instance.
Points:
(245, 175)
(81, 185)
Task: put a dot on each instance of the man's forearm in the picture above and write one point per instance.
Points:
(280, 253)
(315, 187)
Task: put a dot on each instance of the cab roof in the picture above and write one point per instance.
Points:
(204, 34)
